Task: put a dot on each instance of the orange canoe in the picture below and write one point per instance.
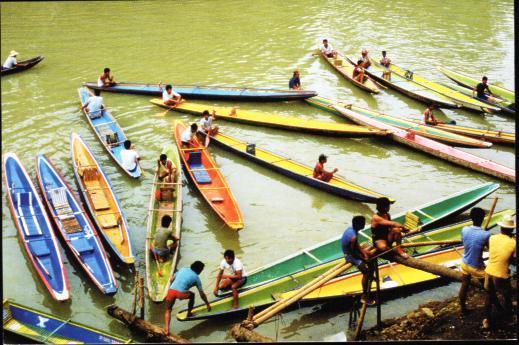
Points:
(206, 176)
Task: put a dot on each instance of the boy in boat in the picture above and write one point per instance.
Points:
(474, 239)
(320, 173)
(385, 62)
(181, 282)
(94, 105)
(129, 157)
(207, 121)
(358, 72)
(170, 97)
(106, 79)
(480, 91)
(384, 231)
(364, 58)
(327, 50)
(358, 256)
(11, 62)
(233, 281)
(497, 274)
(188, 135)
(164, 242)
(166, 172)
(295, 83)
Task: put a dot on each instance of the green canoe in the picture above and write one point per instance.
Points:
(465, 80)
(158, 273)
(423, 130)
(267, 294)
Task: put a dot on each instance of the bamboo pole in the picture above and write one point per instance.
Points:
(141, 296)
(242, 334)
(492, 208)
(377, 282)
(135, 293)
(360, 322)
(431, 243)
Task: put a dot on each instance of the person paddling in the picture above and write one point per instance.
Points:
(320, 173)
(187, 138)
(170, 97)
(384, 231)
(358, 72)
(11, 62)
(327, 50)
(166, 172)
(480, 89)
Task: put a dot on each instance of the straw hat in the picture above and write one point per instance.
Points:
(13, 53)
(508, 222)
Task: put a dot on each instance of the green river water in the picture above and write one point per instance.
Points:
(256, 44)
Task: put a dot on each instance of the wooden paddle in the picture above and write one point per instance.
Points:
(159, 271)
(492, 208)
(165, 112)
(41, 264)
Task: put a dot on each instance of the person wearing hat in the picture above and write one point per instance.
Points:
(164, 241)
(365, 59)
(295, 83)
(497, 274)
(11, 60)
(320, 173)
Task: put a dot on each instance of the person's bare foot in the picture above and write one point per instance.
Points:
(166, 332)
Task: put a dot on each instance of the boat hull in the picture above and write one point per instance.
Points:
(346, 70)
(27, 65)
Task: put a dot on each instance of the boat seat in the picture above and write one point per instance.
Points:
(30, 223)
(39, 248)
(95, 189)
(195, 162)
(82, 163)
(412, 221)
(108, 220)
(217, 199)
(82, 245)
(99, 200)
(60, 202)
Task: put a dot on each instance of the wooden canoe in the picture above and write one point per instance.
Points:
(470, 82)
(107, 125)
(345, 67)
(42, 327)
(425, 131)
(224, 93)
(158, 274)
(267, 294)
(26, 64)
(205, 175)
(34, 228)
(276, 121)
(102, 203)
(324, 252)
(74, 226)
(456, 97)
(434, 148)
(295, 170)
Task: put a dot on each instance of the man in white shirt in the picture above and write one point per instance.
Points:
(129, 157)
(106, 79)
(327, 50)
(170, 97)
(94, 105)
(233, 281)
(187, 136)
(207, 121)
(11, 60)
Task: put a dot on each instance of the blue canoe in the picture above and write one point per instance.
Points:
(75, 227)
(106, 126)
(34, 228)
(224, 93)
(45, 328)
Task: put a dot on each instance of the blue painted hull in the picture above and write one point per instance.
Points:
(209, 92)
(108, 122)
(85, 243)
(34, 228)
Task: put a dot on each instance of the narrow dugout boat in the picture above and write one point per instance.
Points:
(207, 178)
(424, 216)
(42, 327)
(457, 97)
(25, 65)
(224, 93)
(34, 228)
(165, 199)
(294, 170)
(425, 131)
(434, 148)
(108, 132)
(345, 67)
(102, 203)
(470, 82)
(271, 292)
(74, 226)
(276, 121)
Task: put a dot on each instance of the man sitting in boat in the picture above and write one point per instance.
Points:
(327, 50)
(164, 242)
(171, 97)
(364, 58)
(129, 157)
(94, 105)
(166, 172)
(358, 256)
(385, 61)
(187, 138)
(320, 173)
(358, 72)
(181, 282)
(207, 121)
(11, 62)
(428, 116)
(295, 83)
(480, 91)
(384, 231)
(232, 281)
(106, 79)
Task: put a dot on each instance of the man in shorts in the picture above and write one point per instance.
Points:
(235, 280)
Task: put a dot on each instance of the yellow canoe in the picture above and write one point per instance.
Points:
(345, 67)
(273, 120)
